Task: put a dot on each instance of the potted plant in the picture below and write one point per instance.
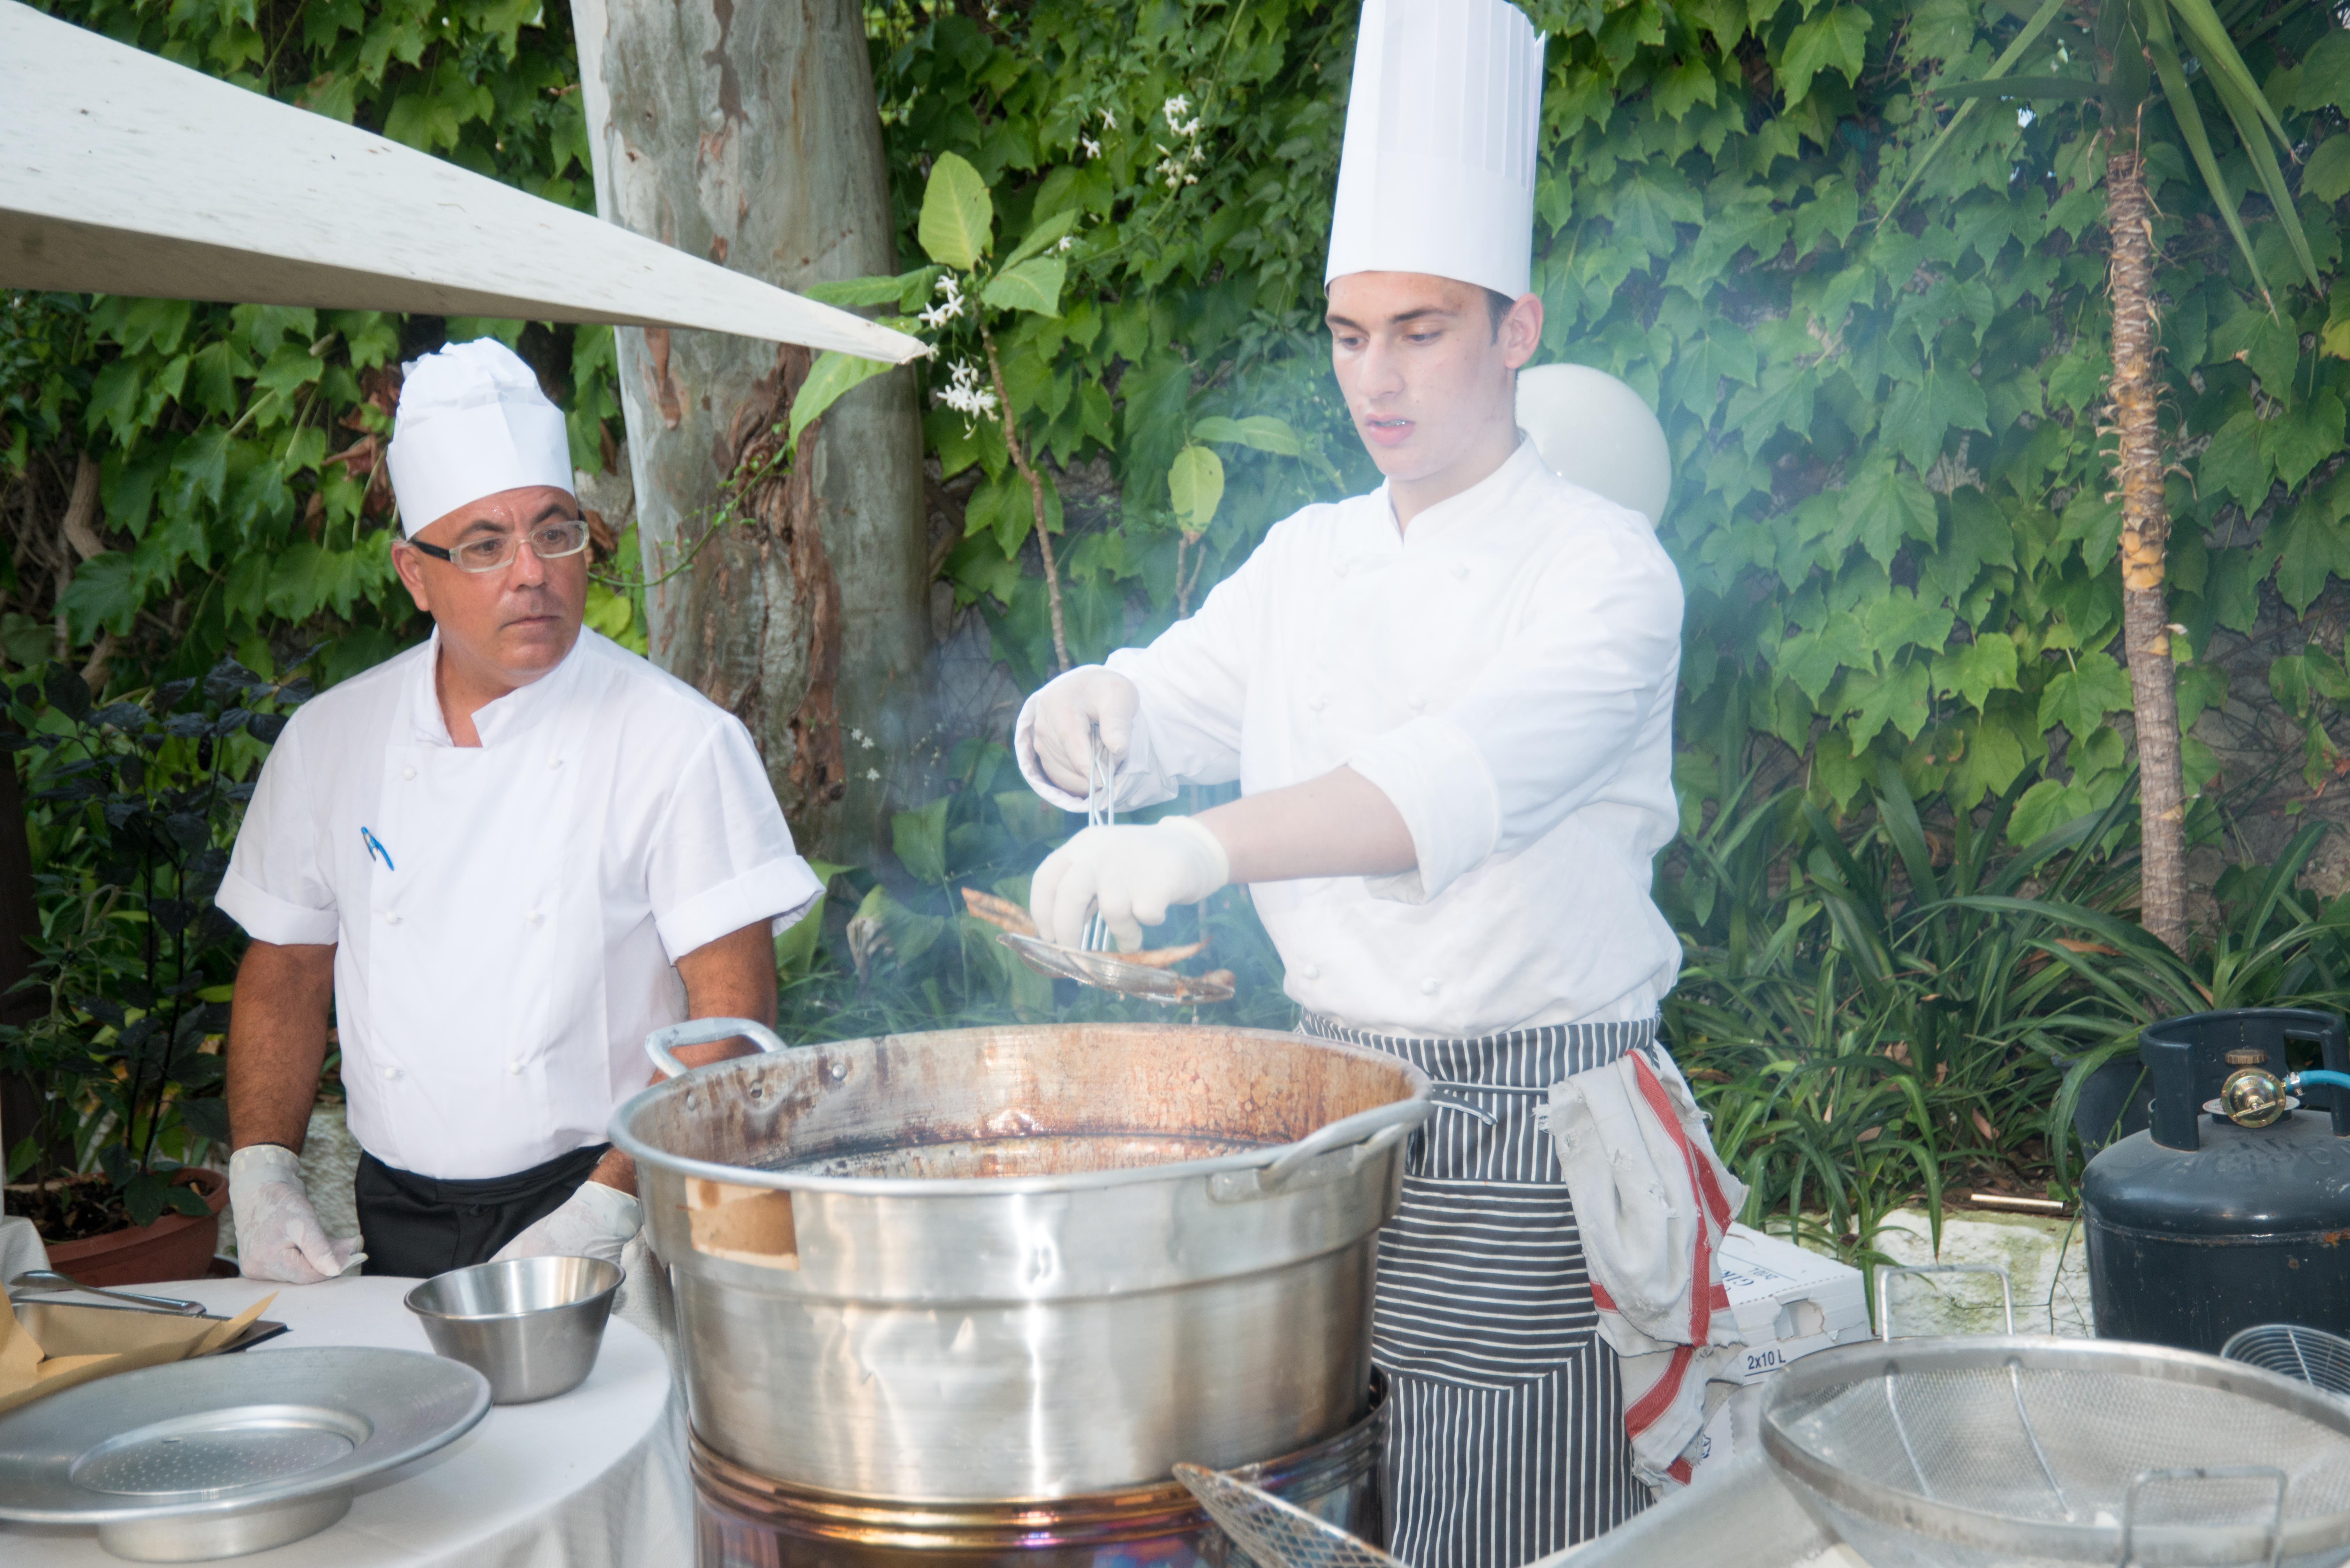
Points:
(133, 805)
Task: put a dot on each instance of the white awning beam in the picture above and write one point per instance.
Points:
(123, 173)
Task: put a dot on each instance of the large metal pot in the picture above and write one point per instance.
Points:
(1025, 1262)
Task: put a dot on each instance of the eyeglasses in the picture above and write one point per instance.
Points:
(549, 541)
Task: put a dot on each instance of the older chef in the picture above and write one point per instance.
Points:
(503, 858)
(1449, 704)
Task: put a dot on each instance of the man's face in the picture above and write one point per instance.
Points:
(1426, 375)
(517, 622)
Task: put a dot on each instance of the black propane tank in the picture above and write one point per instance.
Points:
(2199, 1227)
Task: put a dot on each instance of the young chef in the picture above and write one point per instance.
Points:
(1449, 704)
(505, 858)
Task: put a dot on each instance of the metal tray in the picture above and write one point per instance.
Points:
(226, 1455)
(1106, 970)
(41, 1318)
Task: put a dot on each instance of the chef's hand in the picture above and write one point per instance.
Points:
(1069, 710)
(1133, 874)
(596, 1221)
(278, 1236)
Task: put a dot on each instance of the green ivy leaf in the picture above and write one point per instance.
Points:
(1886, 505)
(1812, 659)
(1901, 620)
(2298, 440)
(2326, 175)
(1034, 284)
(1988, 759)
(1195, 483)
(1836, 40)
(1977, 670)
(2080, 698)
(958, 215)
(1897, 696)
(2237, 462)
(1920, 414)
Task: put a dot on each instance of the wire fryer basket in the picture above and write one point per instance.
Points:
(2311, 1355)
(2022, 1451)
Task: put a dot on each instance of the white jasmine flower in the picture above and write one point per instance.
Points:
(1109, 119)
(1068, 242)
(855, 734)
(964, 395)
(873, 774)
(949, 307)
(1092, 148)
(1175, 108)
(867, 741)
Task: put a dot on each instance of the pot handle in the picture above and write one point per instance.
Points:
(704, 1032)
(1376, 1129)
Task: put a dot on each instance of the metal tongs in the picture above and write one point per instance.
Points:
(1098, 963)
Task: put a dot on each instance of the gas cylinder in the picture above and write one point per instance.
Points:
(2205, 1223)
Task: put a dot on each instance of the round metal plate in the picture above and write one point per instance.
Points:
(229, 1433)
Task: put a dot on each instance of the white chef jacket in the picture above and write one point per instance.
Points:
(1505, 673)
(507, 918)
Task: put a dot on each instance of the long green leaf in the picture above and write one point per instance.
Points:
(2025, 88)
(1034, 285)
(2190, 125)
(832, 374)
(1042, 234)
(2272, 176)
(2218, 53)
(2000, 67)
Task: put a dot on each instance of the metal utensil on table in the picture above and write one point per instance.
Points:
(2311, 1355)
(533, 1326)
(2028, 1451)
(223, 1456)
(1101, 811)
(50, 1280)
(1274, 1533)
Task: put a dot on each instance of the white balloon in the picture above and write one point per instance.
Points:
(1594, 431)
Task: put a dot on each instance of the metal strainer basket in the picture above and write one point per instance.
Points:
(1276, 1535)
(2019, 1451)
(2311, 1355)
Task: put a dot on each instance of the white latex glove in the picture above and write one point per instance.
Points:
(1068, 713)
(278, 1236)
(1133, 874)
(594, 1222)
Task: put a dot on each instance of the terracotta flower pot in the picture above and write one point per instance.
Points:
(176, 1246)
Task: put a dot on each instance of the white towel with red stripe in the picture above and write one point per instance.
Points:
(1651, 1200)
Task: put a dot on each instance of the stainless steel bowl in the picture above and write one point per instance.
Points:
(531, 1325)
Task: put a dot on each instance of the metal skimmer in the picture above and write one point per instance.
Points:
(2311, 1355)
(1276, 1535)
(1101, 811)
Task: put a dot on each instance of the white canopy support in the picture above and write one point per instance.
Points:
(123, 173)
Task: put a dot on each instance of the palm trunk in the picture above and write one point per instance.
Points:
(745, 131)
(2146, 533)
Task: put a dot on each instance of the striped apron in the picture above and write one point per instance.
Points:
(1506, 1438)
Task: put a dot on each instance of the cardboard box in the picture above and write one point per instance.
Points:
(75, 1345)
(1789, 1303)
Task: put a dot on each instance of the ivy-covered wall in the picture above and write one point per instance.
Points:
(1891, 501)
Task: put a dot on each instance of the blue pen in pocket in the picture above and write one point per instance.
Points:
(375, 846)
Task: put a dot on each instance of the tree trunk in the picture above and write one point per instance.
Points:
(745, 131)
(2146, 533)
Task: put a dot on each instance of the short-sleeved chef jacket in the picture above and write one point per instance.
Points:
(507, 918)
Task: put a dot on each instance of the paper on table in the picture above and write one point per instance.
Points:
(102, 1348)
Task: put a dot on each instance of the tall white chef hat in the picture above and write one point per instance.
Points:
(1437, 174)
(472, 422)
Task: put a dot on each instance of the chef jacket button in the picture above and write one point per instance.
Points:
(1311, 971)
(514, 1069)
(553, 763)
(408, 773)
(1420, 704)
(391, 1072)
(1460, 568)
(1428, 986)
(391, 917)
(531, 915)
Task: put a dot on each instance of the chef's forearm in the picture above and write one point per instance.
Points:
(734, 977)
(1340, 825)
(277, 1041)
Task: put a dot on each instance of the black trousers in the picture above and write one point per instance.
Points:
(418, 1226)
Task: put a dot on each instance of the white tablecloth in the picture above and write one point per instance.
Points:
(20, 1247)
(592, 1478)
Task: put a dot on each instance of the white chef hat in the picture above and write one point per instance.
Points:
(1437, 174)
(472, 422)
